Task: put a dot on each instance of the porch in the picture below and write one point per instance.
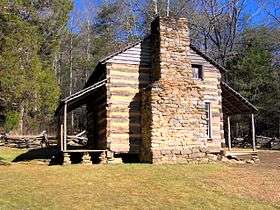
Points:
(233, 103)
(85, 147)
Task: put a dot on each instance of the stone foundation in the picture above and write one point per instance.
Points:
(66, 159)
(86, 159)
(187, 155)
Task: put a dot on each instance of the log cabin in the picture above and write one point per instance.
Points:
(160, 99)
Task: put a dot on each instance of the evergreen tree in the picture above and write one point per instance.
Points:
(255, 74)
(27, 80)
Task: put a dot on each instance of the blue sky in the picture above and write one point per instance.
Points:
(81, 3)
(259, 15)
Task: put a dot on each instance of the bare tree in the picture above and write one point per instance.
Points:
(272, 8)
(215, 26)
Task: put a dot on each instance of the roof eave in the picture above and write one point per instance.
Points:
(248, 103)
(209, 59)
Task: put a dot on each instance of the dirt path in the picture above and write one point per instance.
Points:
(269, 159)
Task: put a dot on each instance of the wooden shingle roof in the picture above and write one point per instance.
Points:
(234, 103)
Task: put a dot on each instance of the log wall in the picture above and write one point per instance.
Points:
(212, 93)
(96, 120)
(124, 114)
(129, 73)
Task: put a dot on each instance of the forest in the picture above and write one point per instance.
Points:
(48, 49)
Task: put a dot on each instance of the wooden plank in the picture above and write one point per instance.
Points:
(119, 98)
(253, 132)
(65, 127)
(124, 90)
(130, 75)
(130, 62)
(84, 150)
(135, 85)
(61, 137)
(102, 120)
(125, 93)
(129, 67)
(120, 108)
(125, 136)
(131, 57)
(125, 114)
(124, 124)
(125, 81)
(229, 134)
(102, 131)
(126, 130)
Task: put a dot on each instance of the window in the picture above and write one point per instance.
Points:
(197, 71)
(208, 119)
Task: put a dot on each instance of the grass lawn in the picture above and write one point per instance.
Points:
(138, 186)
(9, 154)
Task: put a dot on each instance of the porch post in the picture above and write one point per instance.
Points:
(229, 134)
(61, 137)
(253, 133)
(65, 127)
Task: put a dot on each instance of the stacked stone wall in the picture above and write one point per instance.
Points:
(176, 130)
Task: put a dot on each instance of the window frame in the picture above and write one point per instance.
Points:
(208, 111)
(200, 71)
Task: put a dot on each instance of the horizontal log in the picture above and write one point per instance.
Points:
(135, 98)
(125, 124)
(102, 131)
(136, 79)
(138, 75)
(125, 130)
(124, 108)
(130, 68)
(125, 136)
(123, 84)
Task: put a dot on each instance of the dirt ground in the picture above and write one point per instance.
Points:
(259, 181)
(269, 159)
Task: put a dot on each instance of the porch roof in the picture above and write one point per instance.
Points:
(79, 98)
(234, 103)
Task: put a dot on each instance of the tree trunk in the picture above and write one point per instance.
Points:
(71, 77)
(88, 46)
(21, 119)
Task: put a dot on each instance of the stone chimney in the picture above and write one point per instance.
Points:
(171, 41)
(173, 107)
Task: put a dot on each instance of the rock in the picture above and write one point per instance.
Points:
(212, 157)
(115, 161)
(233, 161)
(86, 159)
(186, 151)
(203, 149)
(195, 150)
(250, 161)
(224, 159)
(197, 155)
(66, 159)
(103, 158)
(257, 161)
(165, 152)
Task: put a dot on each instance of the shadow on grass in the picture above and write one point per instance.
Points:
(45, 154)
